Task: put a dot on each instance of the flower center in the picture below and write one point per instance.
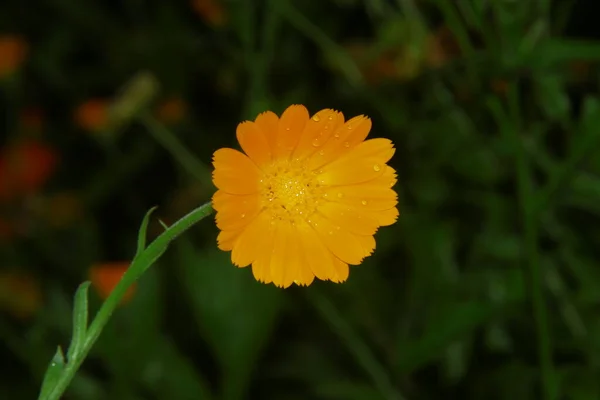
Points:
(290, 191)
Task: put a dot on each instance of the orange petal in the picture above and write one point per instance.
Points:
(235, 211)
(268, 122)
(367, 243)
(345, 138)
(291, 125)
(226, 239)
(245, 249)
(350, 218)
(340, 242)
(316, 255)
(285, 255)
(261, 267)
(234, 173)
(254, 142)
(342, 270)
(387, 217)
(367, 196)
(317, 131)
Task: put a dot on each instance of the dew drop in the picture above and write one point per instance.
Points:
(287, 129)
(346, 144)
(316, 142)
(377, 167)
(321, 153)
(340, 195)
(331, 232)
(364, 202)
(349, 127)
(336, 135)
(316, 118)
(243, 216)
(330, 118)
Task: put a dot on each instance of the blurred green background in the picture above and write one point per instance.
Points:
(488, 287)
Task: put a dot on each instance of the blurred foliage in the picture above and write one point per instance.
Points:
(488, 287)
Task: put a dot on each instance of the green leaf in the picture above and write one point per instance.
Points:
(141, 242)
(53, 373)
(80, 320)
(235, 312)
(455, 322)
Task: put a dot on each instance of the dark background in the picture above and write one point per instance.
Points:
(487, 287)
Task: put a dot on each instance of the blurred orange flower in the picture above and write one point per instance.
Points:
(20, 293)
(105, 276)
(306, 196)
(25, 167)
(172, 110)
(211, 11)
(13, 51)
(92, 115)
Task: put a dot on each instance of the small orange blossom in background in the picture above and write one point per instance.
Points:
(172, 110)
(306, 198)
(20, 293)
(211, 11)
(105, 276)
(13, 51)
(92, 115)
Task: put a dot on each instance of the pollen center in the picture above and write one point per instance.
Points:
(290, 191)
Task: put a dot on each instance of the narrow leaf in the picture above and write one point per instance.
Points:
(80, 320)
(53, 373)
(142, 232)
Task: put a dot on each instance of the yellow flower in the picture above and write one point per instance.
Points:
(306, 198)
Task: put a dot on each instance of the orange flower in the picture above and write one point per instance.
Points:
(211, 11)
(20, 294)
(92, 115)
(105, 276)
(25, 167)
(306, 198)
(172, 110)
(13, 50)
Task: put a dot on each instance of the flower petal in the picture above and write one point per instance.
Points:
(342, 271)
(317, 256)
(235, 211)
(317, 131)
(268, 123)
(234, 173)
(367, 196)
(245, 249)
(226, 239)
(343, 140)
(261, 267)
(350, 218)
(285, 256)
(254, 142)
(342, 243)
(291, 125)
(367, 243)
(387, 217)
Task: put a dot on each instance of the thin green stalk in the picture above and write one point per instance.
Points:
(510, 124)
(356, 346)
(346, 64)
(143, 260)
(166, 139)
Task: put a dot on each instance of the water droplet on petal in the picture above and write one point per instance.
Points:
(331, 232)
(287, 129)
(377, 167)
(349, 127)
(330, 117)
(340, 195)
(364, 202)
(316, 142)
(346, 144)
(321, 153)
(316, 118)
(243, 216)
(336, 135)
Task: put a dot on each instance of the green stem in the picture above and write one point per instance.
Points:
(511, 128)
(166, 139)
(357, 347)
(139, 265)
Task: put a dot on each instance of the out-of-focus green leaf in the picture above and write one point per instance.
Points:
(235, 312)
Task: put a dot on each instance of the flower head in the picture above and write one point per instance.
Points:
(13, 51)
(306, 198)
